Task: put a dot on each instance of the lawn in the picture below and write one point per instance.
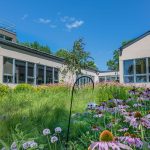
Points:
(26, 111)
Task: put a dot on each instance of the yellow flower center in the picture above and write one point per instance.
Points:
(106, 136)
(133, 135)
(137, 115)
(127, 134)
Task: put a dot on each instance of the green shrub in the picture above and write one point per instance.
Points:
(4, 89)
(23, 88)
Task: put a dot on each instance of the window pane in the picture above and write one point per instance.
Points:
(128, 79)
(140, 66)
(30, 78)
(7, 79)
(20, 71)
(8, 38)
(140, 79)
(1, 36)
(108, 78)
(30, 70)
(40, 74)
(8, 70)
(8, 65)
(128, 67)
(56, 75)
(149, 65)
(49, 75)
(101, 79)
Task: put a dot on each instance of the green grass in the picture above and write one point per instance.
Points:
(36, 108)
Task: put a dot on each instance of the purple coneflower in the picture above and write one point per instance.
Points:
(139, 120)
(123, 129)
(95, 128)
(132, 140)
(107, 142)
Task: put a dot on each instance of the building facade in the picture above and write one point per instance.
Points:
(21, 64)
(134, 61)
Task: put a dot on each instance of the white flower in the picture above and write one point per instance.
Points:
(91, 105)
(58, 130)
(13, 146)
(29, 144)
(33, 144)
(54, 139)
(137, 105)
(46, 132)
(97, 115)
(3, 148)
(26, 145)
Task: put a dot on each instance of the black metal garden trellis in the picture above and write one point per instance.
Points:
(76, 84)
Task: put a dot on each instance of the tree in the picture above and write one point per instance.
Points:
(91, 64)
(37, 45)
(78, 59)
(113, 64)
(62, 53)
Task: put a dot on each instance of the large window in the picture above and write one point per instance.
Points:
(102, 79)
(17, 71)
(7, 70)
(20, 71)
(30, 74)
(137, 70)
(56, 75)
(49, 75)
(128, 71)
(140, 65)
(40, 74)
(128, 67)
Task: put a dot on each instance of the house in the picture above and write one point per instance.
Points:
(134, 61)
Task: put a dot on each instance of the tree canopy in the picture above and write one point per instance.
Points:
(37, 45)
(113, 64)
(77, 58)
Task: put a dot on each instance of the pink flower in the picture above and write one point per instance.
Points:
(123, 130)
(107, 142)
(132, 141)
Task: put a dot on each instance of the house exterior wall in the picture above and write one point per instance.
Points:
(108, 76)
(110, 73)
(91, 73)
(139, 49)
(8, 51)
(9, 34)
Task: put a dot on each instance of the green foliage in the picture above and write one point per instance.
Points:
(113, 64)
(4, 89)
(62, 53)
(37, 45)
(42, 107)
(23, 88)
(78, 59)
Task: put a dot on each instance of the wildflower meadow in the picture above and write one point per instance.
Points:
(112, 117)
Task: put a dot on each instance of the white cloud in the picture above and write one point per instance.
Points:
(44, 21)
(24, 16)
(67, 19)
(75, 24)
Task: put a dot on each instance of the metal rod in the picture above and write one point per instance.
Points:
(72, 94)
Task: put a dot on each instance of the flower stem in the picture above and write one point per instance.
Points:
(48, 143)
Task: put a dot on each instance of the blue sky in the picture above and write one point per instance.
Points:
(103, 24)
